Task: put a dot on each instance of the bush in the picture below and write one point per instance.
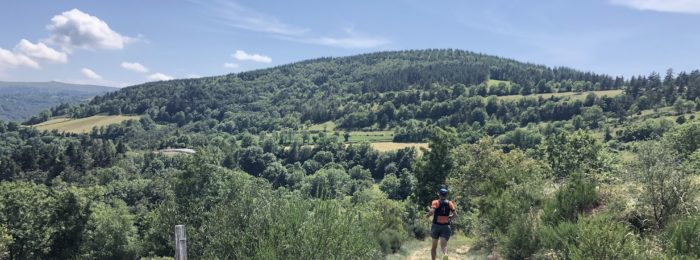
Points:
(418, 232)
(683, 238)
(601, 237)
(596, 237)
(390, 241)
(571, 200)
(521, 240)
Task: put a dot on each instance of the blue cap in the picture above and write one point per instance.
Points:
(443, 191)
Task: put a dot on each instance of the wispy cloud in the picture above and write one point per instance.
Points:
(135, 66)
(88, 73)
(235, 15)
(244, 56)
(672, 6)
(351, 40)
(159, 77)
(229, 65)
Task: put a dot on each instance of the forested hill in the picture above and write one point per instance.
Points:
(21, 100)
(350, 90)
(583, 172)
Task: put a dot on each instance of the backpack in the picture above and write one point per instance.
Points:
(442, 212)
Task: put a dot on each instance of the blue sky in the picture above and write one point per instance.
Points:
(121, 43)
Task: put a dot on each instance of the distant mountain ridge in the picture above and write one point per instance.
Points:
(21, 100)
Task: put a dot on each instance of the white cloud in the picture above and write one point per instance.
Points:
(75, 29)
(244, 56)
(229, 65)
(159, 77)
(134, 66)
(673, 6)
(90, 74)
(40, 51)
(10, 59)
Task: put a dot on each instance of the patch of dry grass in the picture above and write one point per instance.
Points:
(572, 95)
(82, 125)
(391, 146)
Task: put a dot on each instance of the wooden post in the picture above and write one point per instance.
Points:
(180, 243)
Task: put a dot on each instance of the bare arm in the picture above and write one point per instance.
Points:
(431, 211)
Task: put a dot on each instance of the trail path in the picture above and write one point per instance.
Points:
(459, 249)
(461, 253)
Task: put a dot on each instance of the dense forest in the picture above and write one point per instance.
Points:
(534, 176)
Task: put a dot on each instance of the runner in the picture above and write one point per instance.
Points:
(442, 211)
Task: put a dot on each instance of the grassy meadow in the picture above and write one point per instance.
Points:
(82, 125)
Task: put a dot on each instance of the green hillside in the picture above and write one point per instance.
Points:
(347, 153)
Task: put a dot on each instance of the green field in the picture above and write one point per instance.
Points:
(495, 82)
(327, 126)
(369, 136)
(572, 95)
(82, 125)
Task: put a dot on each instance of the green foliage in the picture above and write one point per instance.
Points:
(26, 212)
(596, 237)
(497, 187)
(288, 228)
(432, 171)
(390, 241)
(390, 186)
(110, 233)
(577, 195)
(522, 240)
(685, 138)
(683, 238)
(327, 183)
(645, 130)
(5, 242)
(666, 187)
(600, 237)
(567, 153)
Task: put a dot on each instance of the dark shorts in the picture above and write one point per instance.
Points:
(438, 231)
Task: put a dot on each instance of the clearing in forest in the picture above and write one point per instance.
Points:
(82, 125)
(572, 95)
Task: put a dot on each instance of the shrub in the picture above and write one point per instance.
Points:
(571, 200)
(683, 238)
(390, 241)
(596, 237)
(521, 240)
(601, 237)
(418, 231)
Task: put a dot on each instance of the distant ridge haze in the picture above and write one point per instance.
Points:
(21, 100)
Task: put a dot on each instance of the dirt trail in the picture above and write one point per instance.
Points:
(461, 253)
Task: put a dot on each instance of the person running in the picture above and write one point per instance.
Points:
(442, 211)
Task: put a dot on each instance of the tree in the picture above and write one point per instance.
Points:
(685, 139)
(567, 153)
(110, 233)
(432, 170)
(667, 189)
(390, 185)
